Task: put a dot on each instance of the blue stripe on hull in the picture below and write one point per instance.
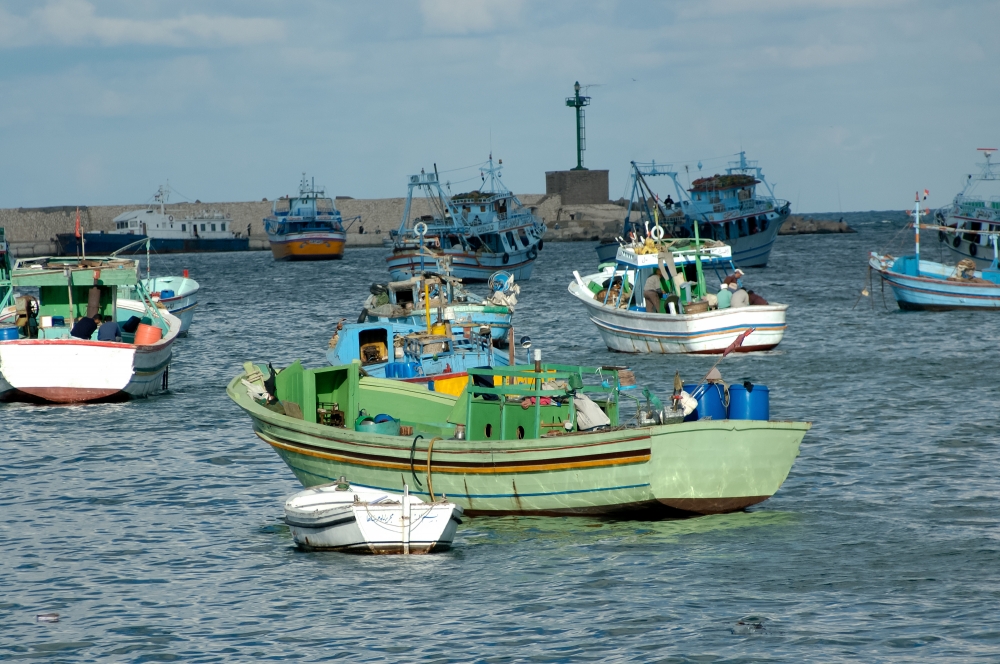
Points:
(681, 336)
(912, 295)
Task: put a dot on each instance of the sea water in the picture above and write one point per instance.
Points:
(154, 527)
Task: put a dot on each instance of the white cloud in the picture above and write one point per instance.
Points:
(464, 17)
(820, 53)
(76, 22)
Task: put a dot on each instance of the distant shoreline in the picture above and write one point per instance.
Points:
(32, 231)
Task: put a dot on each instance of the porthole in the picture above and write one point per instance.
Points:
(520, 432)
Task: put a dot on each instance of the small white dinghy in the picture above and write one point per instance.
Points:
(342, 517)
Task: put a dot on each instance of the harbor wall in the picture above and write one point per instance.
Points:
(32, 231)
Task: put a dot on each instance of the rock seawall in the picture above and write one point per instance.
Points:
(799, 225)
(32, 231)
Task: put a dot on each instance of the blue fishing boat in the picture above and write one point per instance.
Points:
(973, 215)
(414, 300)
(481, 231)
(414, 353)
(727, 208)
(201, 232)
(927, 285)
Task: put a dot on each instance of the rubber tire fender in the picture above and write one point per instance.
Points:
(506, 258)
(973, 249)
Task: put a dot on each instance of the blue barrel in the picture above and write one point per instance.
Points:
(711, 401)
(8, 333)
(166, 294)
(749, 402)
(390, 427)
(392, 370)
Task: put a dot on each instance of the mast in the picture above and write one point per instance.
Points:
(916, 225)
(578, 102)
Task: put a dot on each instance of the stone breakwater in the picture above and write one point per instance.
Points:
(799, 225)
(32, 231)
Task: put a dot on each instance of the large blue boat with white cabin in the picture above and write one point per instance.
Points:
(973, 215)
(920, 284)
(481, 231)
(727, 208)
(207, 230)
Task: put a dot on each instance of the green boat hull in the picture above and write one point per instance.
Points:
(703, 467)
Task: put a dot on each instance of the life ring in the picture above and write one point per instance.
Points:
(972, 249)
(506, 258)
(170, 218)
(420, 228)
(957, 242)
(540, 243)
(656, 235)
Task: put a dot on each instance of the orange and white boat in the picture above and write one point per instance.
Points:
(306, 228)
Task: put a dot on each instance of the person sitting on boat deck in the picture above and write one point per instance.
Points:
(735, 279)
(652, 290)
(85, 327)
(669, 202)
(725, 296)
(739, 299)
(109, 331)
(755, 300)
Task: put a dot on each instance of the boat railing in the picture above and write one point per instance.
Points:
(543, 380)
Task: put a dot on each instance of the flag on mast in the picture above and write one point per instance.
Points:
(78, 222)
(737, 342)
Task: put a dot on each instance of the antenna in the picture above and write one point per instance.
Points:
(578, 102)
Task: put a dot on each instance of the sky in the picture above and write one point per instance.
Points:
(846, 104)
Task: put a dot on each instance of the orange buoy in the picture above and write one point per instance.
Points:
(146, 335)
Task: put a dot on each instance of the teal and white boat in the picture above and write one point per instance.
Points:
(45, 356)
(921, 284)
(414, 301)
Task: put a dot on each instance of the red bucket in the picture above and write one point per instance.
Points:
(146, 335)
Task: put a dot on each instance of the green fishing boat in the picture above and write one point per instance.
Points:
(545, 440)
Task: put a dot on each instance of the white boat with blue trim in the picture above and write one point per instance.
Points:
(688, 320)
(920, 284)
(355, 519)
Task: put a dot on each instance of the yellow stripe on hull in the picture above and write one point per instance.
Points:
(443, 467)
(307, 249)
